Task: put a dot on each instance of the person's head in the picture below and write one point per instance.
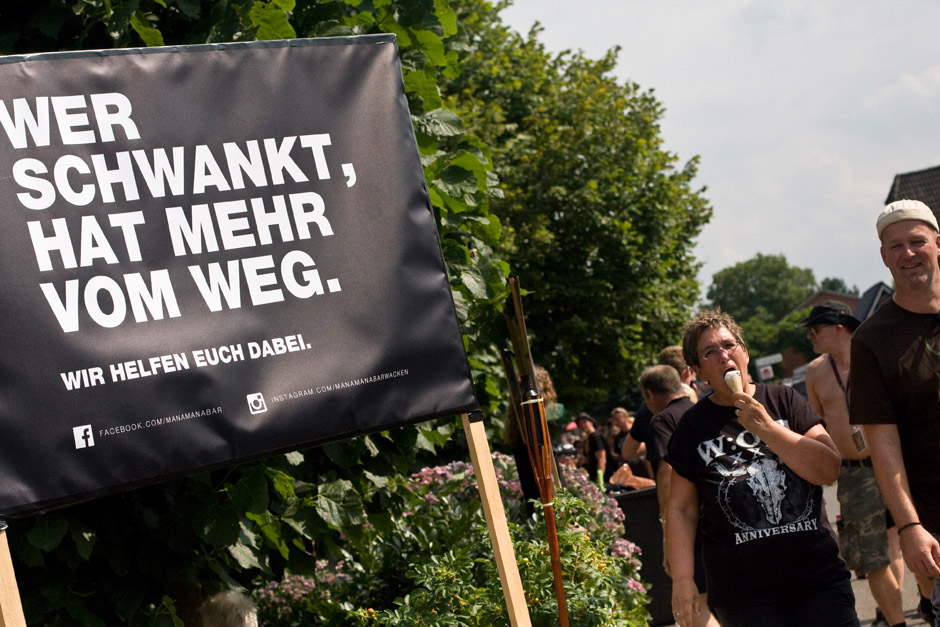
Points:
(546, 387)
(830, 326)
(712, 345)
(230, 608)
(910, 244)
(660, 385)
(672, 356)
(586, 423)
(621, 418)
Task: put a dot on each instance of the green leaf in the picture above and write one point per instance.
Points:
(377, 481)
(370, 445)
(474, 281)
(245, 549)
(446, 16)
(400, 32)
(48, 531)
(339, 504)
(217, 523)
(170, 606)
(382, 521)
(294, 458)
(436, 437)
(189, 8)
(425, 87)
(424, 443)
(472, 161)
(150, 36)
(121, 17)
(271, 530)
(250, 493)
(271, 22)
(346, 453)
(283, 483)
(84, 538)
(457, 182)
(431, 45)
(439, 123)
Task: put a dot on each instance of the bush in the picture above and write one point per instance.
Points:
(434, 566)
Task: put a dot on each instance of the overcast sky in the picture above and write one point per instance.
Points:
(802, 112)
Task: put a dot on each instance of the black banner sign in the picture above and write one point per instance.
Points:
(211, 253)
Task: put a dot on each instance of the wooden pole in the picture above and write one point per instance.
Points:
(496, 521)
(534, 428)
(11, 608)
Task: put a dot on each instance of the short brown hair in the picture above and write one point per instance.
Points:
(704, 320)
(672, 356)
(661, 379)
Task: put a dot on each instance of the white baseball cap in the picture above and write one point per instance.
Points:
(906, 210)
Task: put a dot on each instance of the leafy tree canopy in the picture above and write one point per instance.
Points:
(591, 211)
(765, 285)
(599, 221)
(761, 293)
(833, 284)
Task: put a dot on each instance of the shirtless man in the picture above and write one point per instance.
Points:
(863, 539)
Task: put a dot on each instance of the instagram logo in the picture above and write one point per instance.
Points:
(256, 404)
(83, 436)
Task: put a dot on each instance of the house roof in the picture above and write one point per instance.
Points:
(819, 296)
(922, 185)
(870, 300)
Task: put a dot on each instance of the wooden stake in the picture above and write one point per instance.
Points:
(496, 522)
(534, 428)
(11, 608)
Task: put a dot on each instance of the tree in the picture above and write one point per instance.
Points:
(833, 284)
(141, 557)
(599, 222)
(766, 337)
(765, 285)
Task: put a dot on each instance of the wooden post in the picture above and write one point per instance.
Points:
(496, 522)
(11, 608)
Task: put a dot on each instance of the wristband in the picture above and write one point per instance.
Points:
(910, 524)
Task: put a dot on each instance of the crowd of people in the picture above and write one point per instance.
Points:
(739, 467)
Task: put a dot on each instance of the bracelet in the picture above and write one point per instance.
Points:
(910, 524)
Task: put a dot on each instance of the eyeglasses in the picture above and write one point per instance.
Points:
(727, 348)
(815, 329)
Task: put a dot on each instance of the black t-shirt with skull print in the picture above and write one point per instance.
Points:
(764, 531)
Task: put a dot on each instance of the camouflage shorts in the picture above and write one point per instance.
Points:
(863, 538)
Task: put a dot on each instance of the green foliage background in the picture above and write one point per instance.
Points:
(599, 221)
(762, 294)
(539, 163)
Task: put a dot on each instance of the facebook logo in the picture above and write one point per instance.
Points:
(83, 436)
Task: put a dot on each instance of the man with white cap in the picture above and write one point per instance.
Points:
(895, 390)
(863, 531)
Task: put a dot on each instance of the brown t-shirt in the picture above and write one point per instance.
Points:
(896, 380)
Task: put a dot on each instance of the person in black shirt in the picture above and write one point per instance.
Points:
(662, 388)
(596, 455)
(748, 470)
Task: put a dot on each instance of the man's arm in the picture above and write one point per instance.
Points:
(631, 448)
(921, 551)
(663, 476)
(811, 395)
